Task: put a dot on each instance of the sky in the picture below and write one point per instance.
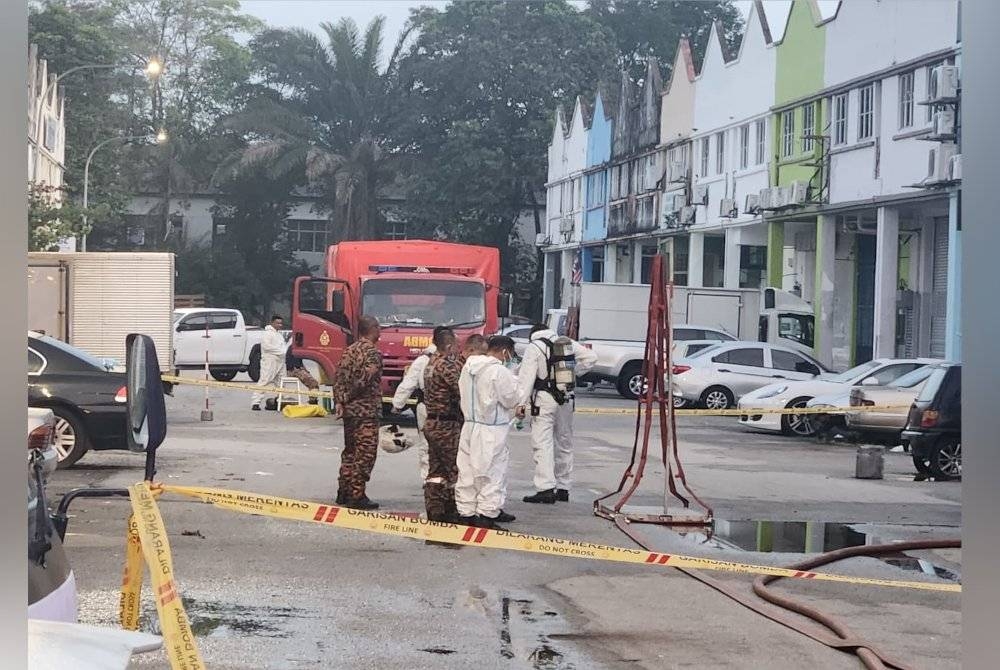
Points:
(311, 13)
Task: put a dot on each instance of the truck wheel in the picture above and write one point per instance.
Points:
(800, 425)
(631, 383)
(946, 459)
(222, 375)
(254, 368)
(717, 397)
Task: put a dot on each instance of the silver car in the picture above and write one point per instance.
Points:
(717, 376)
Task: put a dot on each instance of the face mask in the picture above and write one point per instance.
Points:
(511, 363)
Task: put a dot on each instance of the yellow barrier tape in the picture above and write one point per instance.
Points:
(179, 642)
(746, 411)
(128, 609)
(416, 528)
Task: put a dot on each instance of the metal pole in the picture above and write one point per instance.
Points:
(206, 414)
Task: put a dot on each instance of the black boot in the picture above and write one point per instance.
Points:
(562, 495)
(467, 520)
(490, 523)
(362, 503)
(503, 517)
(341, 498)
(547, 497)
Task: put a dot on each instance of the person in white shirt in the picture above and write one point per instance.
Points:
(413, 381)
(272, 360)
(489, 395)
(552, 426)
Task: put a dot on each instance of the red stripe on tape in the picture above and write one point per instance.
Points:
(468, 534)
(652, 558)
(663, 559)
(481, 535)
(332, 514)
(319, 513)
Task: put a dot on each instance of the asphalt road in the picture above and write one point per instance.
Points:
(267, 593)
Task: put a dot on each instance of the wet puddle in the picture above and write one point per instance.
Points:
(216, 619)
(525, 631)
(810, 537)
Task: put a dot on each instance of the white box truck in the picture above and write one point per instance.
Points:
(92, 300)
(613, 319)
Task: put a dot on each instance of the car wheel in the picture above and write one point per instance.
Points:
(800, 425)
(223, 375)
(679, 402)
(631, 383)
(71, 441)
(946, 459)
(717, 397)
(254, 368)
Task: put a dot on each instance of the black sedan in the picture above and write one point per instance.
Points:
(87, 398)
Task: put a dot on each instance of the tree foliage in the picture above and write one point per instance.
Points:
(651, 29)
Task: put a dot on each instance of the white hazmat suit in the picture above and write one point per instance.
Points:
(489, 396)
(272, 362)
(552, 428)
(413, 380)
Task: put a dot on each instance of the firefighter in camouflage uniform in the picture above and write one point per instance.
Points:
(443, 425)
(358, 396)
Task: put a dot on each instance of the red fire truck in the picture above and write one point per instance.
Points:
(410, 286)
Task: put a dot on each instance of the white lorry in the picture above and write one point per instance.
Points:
(92, 300)
(220, 335)
(614, 317)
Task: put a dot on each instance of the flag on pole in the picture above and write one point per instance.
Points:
(577, 271)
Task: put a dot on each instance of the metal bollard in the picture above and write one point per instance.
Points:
(869, 461)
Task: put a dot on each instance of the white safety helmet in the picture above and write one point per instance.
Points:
(393, 440)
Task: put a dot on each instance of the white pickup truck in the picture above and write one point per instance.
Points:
(230, 344)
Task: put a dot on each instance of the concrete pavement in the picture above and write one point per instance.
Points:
(267, 593)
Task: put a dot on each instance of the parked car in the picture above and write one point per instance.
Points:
(87, 399)
(780, 395)
(884, 426)
(51, 585)
(934, 425)
(520, 334)
(232, 345)
(718, 376)
(620, 362)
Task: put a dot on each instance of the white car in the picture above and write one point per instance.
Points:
(718, 376)
(788, 394)
(520, 334)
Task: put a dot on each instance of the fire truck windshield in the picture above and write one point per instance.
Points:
(424, 303)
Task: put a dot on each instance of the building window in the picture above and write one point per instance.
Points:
(788, 133)
(927, 91)
(396, 230)
(744, 146)
(617, 190)
(713, 274)
(633, 181)
(646, 270)
(905, 100)
(307, 234)
(761, 141)
(680, 260)
(808, 126)
(595, 190)
(866, 112)
(720, 152)
(753, 266)
(840, 119)
(704, 157)
(596, 258)
(51, 133)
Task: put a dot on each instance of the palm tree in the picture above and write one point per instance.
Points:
(322, 113)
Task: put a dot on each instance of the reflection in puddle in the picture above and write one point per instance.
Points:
(215, 619)
(542, 655)
(806, 537)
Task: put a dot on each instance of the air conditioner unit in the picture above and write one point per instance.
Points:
(858, 225)
(765, 199)
(798, 193)
(944, 122)
(727, 208)
(700, 196)
(752, 204)
(955, 167)
(676, 201)
(677, 172)
(686, 217)
(944, 83)
(566, 225)
(781, 197)
(542, 240)
(938, 163)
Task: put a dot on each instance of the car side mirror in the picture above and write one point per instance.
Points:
(870, 381)
(145, 408)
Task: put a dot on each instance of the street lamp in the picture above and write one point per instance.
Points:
(154, 68)
(161, 137)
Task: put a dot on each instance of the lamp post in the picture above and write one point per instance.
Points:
(161, 137)
(154, 68)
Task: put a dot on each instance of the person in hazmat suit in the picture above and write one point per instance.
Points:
(413, 385)
(489, 395)
(272, 360)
